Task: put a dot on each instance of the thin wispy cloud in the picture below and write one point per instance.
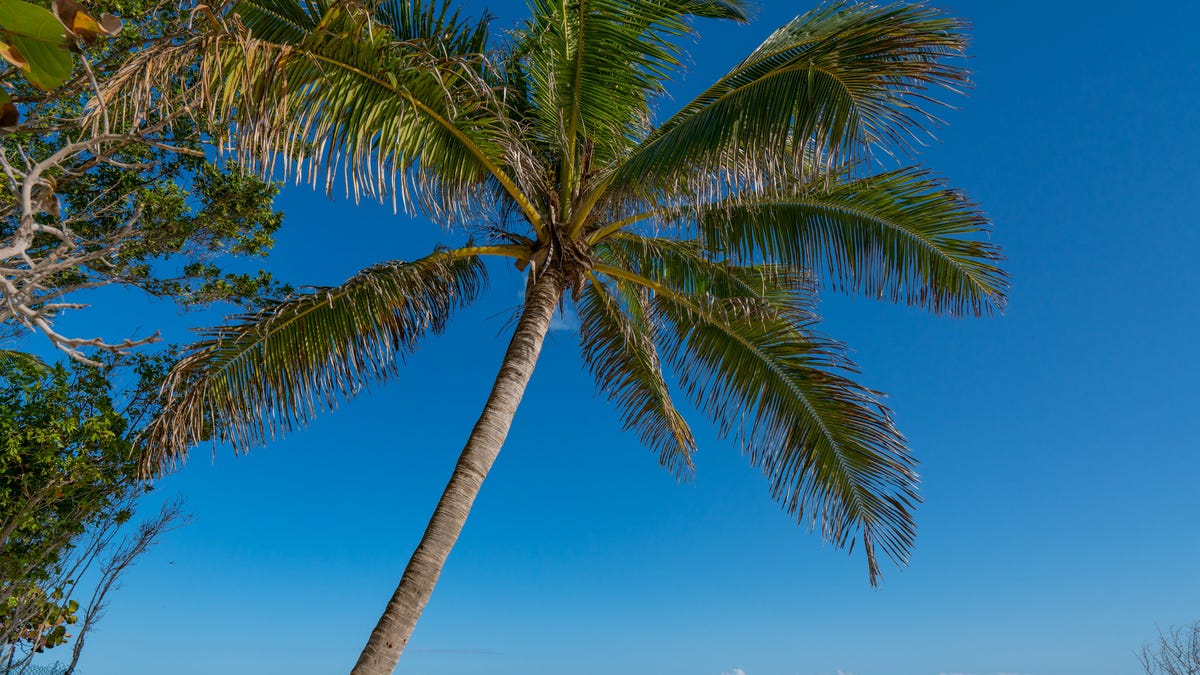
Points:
(735, 671)
(958, 673)
(453, 651)
(564, 319)
(567, 319)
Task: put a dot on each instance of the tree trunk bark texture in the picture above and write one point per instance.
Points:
(395, 627)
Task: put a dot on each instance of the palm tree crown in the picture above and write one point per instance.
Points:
(691, 247)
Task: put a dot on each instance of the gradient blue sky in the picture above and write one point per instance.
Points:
(1058, 446)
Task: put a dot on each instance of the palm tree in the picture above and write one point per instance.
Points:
(691, 247)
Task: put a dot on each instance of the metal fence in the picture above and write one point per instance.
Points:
(56, 669)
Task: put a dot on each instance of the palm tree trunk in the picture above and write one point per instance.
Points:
(396, 625)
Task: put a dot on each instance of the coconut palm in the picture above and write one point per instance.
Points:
(691, 248)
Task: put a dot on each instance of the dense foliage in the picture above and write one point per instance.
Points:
(135, 202)
(138, 203)
(68, 479)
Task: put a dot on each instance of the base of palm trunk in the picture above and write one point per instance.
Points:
(395, 627)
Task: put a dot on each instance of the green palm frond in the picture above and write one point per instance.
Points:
(828, 447)
(617, 339)
(281, 21)
(348, 95)
(432, 22)
(845, 81)
(271, 371)
(593, 67)
(341, 97)
(11, 359)
(687, 267)
(902, 235)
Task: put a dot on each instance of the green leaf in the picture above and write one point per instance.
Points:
(431, 23)
(846, 81)
(39, 39)
(743, 351)
(618, 346)
(250, 381)
(10, 360)
(281, 21)
(902, 236)
(595, 66)
(336, 93)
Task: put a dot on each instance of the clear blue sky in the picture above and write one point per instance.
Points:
(1058, 446)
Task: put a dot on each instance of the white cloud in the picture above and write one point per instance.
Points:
(567, 319)
(844, 672)
(735, 671)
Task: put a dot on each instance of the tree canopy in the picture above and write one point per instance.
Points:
(693, 247)
(68, 486)
(134, 202)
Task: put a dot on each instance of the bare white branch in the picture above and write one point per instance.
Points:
(42, 249)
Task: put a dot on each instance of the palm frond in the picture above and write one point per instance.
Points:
(617, 339)
(828, 447)
(902, 236)
(283, 22)
(338, 97)
(431, 22)
(688, 267)
(843, 82)
(593, 67)
(11, 359)
(271, 371)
